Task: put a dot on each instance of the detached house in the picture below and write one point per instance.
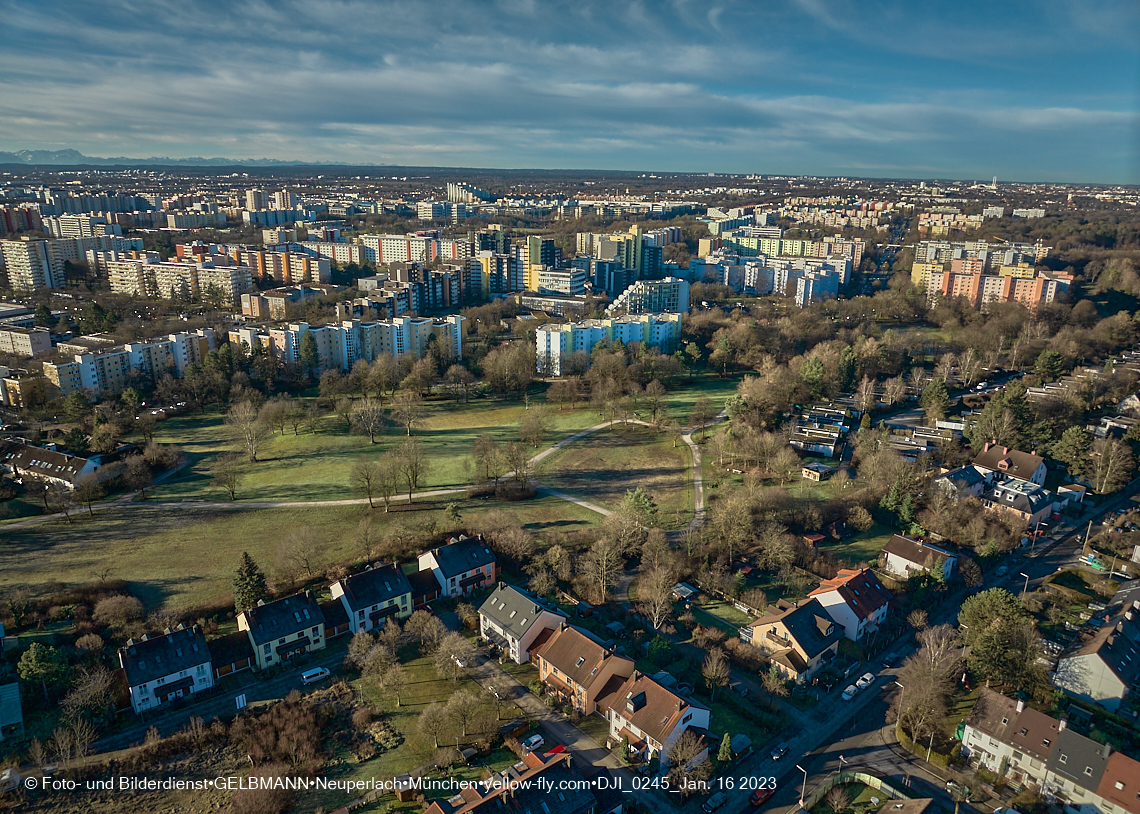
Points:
(537, 784)
(513, 619)
(1104, 667)
(999, 460)
(647, 715)
(283, 629)
(905, 557)
(798, 638)
(576, 667)
(1021, 499)
(159, 669)
(856, 600)
(461, 566)
(965, 481)
(27, 461)
(378, 593)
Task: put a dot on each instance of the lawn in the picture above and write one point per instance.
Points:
(603, 466)
(726, 612)
(861, 548)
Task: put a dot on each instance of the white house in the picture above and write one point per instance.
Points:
(999, 460)
(905, 557)
(159, 669)
(648, 715)
(856, 600)
(512, 619)
(461, 566)
(378, 593)
(1104, 667)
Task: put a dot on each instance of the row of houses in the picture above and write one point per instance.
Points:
(822, 429)
(1031, 749)
(180, 662)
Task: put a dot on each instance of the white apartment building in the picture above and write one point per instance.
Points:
(553, 343)
(106, 372)
(569, 282)
(383, 249)
(670, 295)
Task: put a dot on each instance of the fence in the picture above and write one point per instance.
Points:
(843, 778)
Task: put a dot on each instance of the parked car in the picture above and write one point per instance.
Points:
(850, 692)
(459, 661)
(780, 751)
(314, 675)
(1002, 571)
(865, 680)
(761, 796)
(715, 802)
(533, 742)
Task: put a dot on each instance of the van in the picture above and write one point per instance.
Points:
(314, 675)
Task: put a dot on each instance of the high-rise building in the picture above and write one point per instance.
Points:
(670, 295)
(254, 199)
(28, 264)
(554, 344)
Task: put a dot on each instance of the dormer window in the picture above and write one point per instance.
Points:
(580, 662)
(1063, 759)
(1024, 732)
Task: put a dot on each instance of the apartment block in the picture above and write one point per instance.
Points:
(816, 286)
(287, 268)
(106, 371)
(338, 252)
(554, 343)
(24, 341)
(670, 295)
(569, 282)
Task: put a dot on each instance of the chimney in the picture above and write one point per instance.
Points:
(1061, 724)
(1005, 450)
(1105, 751)
(1020, 706)
(986, 448)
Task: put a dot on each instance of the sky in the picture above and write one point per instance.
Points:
(1045, 91)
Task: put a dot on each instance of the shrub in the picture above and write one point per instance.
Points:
(118, 611)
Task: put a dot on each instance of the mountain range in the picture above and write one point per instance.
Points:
(74, 157)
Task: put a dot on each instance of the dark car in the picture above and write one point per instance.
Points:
(761, 796)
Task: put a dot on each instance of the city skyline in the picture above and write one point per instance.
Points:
(1043, 91)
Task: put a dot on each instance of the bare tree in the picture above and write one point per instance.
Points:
(865, 397)
(433, 723)
(684, 771)
(837, 799)
(365, 478)
(488, 456)
(389, 470)
(464, 707)
(655, 592)
(425, 628)
(715, 671)
(57, 497)
(454, 652)
(247, 427)
(367, 416)
(408, 410)
(302, 549)
(412, 462)
(894, 389)
(227, 473)
(601, 565)
(87, 490)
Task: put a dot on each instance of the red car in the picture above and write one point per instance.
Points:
(761, 796)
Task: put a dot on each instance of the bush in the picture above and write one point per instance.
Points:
(362, 717)
(118, 611)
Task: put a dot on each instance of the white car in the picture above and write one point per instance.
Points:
(850, 692)
(314, 675)
(459, 661)
(533, 742)
(865, 680)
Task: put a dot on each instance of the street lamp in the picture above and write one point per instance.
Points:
(1024, 590)
(803, 790)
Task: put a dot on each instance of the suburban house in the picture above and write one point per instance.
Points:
(798, 637)
(856, 600)
(512, 619)
(1104, 667)
(647, 715)
(27, 461)
(283, 629)
(336, 618)
(231, 653)
(461, 566)
(425, 587)
(1021, 499)
(378, 593)
(1031, 748)
(965, 481)
(999, 460)
(163, 667)
(905, 557)
(537, 783)
(576, 667)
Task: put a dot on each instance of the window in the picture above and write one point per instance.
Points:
(281, 641)
(1024, 732)
(201, 669)
(1063, 759)
(687, 718)
(580, 662)
(267, 647)
(317, 632)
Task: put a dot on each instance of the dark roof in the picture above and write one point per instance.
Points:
(993, 714)
(809, 625)
(42, 463)
(650, 707)
(962, 477)
(374, 586)
(915, 551)
(1117, 645)
(1020, 495)
(231, 648)
(462, 555)
(1078, 759)
(1035, 732)
(10, 710)
(513, 609)
(570, 794)
(151, 657)
(423, 582)
(1009, 461)
(861, 590)
(269, 621)
(335, 614)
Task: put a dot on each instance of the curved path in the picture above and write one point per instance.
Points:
(694, 450)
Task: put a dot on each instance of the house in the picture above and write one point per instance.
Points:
(856, 600)
(999, 460)
(1024, 500)
(537, 783)
(1075, 768)
(164, 667)
(231, 654)
(1120, 783)
(647, 715)
(283, 629)
(965, 481)
(817, 472)
(378, 593)
(336, 618)
(1103, 667)
(905, 557)
(27, 461)
(798, 637)
(461, 566)
(513, 619)
(425, 587)
(11, 711)
(1002, 732)
(575, 666)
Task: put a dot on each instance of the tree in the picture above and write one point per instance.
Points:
(517, 459)
(227, 473)
(117, 611)
(394, 679)
(453, 649)
(837, 799)
(359, 646)
(917, 619)
(365, 479)
(459, 379)
(413, 463)
(464, 708)
(388, 473)
(247, 427)
(1049, 365)
(249, 584)
(655, 393)
(715, 671)
(308, 354)
(684, 772)
(368, 417)
(408, 410)
(533, 426)
(1111, 467)
(433, 723)
(43, 664)
(894, 390)
(1073, 450)
(655, 592)
(859, 518)
(935, 401)
(600, 566)
(301, 551)
(638, 505)
(426, 628)
(138, 474)
(487, 456)
(90, 698)
(701, 414)
(146, 426)
(724, 754)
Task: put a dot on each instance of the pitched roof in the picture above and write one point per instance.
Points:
(519, 783)
(576, 654)
(269, 621)
(334, 613)
(151, 657)
(653, 709)
(1009, 461)
(231, 648)
(808, 624)
(1078, 759)
(513, 609)
(1035, 732)
(374, 586)
(860, 589)
(43, 463)
(963, 477)
(462, 554)
(993, 713)
(423, 582)
(1117, 645)
(1120, 783)
(10, 710)
(915, 551)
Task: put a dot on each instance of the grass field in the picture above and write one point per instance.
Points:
(603, 466)
(862, 547)
(185, 557)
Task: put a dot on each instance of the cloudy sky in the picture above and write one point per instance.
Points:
(1023, 90)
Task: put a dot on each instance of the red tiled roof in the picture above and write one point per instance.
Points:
(658, 710)
(1120, 784)
(861, 590)
(578, 656)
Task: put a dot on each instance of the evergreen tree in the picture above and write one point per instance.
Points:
(249, 584)
(1073, 450)
(724, 754)
(308, 352)
(847, 370)
(935, 400)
